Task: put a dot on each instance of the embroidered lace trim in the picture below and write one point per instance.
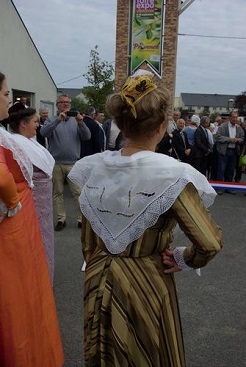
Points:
(146, 187)
(38, 155)
(179, 258)
(20, 157)
(145, 220)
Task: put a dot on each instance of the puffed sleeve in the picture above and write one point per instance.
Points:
(197, 224)
(89, 239)
(8, 191)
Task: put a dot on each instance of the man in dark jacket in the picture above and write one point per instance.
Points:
(114, 137)
(96, 143)
(201, 146)
(180, 146)
(43, 116)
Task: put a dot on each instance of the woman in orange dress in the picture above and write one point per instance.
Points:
(29, 330)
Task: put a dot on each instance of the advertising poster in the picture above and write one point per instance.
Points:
(146, 34)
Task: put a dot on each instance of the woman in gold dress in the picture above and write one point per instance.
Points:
(131, 202)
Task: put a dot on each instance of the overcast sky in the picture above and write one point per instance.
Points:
(65, 31)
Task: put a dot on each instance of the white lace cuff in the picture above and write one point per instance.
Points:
(179, 258)
(14, 211)
(83, 267)
(3, 211)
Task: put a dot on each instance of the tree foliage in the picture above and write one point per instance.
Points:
(77, 104)
(99, 77)
(240, 103)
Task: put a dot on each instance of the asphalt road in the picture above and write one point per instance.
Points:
(213, 306)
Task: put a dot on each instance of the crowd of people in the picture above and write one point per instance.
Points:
(213, 148)
(128, 199)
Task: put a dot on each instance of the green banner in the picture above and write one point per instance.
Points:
(146, 34)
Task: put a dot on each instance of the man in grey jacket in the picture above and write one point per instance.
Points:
(64, 133)
(229, 138)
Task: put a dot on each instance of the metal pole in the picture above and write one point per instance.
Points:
(184, 5)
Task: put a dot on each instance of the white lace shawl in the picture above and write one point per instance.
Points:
(123, 196)
(39, 155)
(7, 142)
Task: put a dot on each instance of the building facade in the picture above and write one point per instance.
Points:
(200, 103)
(26, 72)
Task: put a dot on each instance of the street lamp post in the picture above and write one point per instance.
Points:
(230, 103)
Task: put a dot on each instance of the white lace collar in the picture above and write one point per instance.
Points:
(123, 196)
(39, 156)
(7, 142)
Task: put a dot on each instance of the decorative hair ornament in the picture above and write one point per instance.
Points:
(136, 87)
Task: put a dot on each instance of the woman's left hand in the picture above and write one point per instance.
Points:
(169, 261)
(12, 212)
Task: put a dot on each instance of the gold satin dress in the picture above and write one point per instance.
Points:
(131, 312)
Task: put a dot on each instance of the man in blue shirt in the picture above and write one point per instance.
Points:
(64, 134)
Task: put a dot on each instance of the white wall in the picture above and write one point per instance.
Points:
(19, 59)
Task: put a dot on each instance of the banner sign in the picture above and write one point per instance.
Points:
(147, 34)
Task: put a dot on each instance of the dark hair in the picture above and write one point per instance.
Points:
(2, 78)
(233, 111)
(90, 110)
(151, 112)
(23, 115)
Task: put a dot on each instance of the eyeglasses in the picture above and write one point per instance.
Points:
(64, 102)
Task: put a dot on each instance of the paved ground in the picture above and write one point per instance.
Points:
(213, 306)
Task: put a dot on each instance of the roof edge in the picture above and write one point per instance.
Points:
(34, 44)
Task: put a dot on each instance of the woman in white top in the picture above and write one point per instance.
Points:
(24, 125)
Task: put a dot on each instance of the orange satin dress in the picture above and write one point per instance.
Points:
(29, 330)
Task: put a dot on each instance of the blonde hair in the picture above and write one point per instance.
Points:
(151, 112)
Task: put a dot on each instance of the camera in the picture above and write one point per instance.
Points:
(71, 113)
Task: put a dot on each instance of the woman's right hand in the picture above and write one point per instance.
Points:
(169, 261)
